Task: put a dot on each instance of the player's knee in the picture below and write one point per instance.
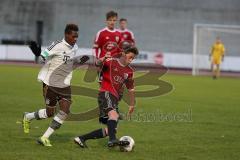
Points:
(50, 114)
(65, 105)
(113, 115)
(50, 111)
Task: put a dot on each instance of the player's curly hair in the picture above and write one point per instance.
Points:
(111, 14)
(71, 27)
(132, 49)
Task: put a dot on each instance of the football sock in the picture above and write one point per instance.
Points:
(56, 123)
(48, 132)
(96, 134)
(30, 116)
(112, 126)
(40, 114)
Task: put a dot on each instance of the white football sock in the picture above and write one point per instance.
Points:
(30, 116)
(48, 132)
(42, 113)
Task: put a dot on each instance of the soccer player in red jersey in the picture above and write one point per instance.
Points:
(107, 40)
(116, 73)
(127, 35)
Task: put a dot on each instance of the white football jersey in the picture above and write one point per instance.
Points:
(57, 71)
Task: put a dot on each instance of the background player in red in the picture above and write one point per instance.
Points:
(108, 38)
(116, 73)
(127, 35)
(127, 39)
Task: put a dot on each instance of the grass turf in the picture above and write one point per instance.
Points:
(199, 119)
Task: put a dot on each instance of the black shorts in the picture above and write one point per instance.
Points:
(54, 94)
(106, 103)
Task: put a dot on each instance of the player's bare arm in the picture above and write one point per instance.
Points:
(132, 102)
(99, 62)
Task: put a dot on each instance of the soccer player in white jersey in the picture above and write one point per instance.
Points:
(56, 75)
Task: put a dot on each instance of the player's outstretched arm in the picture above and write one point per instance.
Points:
(99, 61)
(132, 103)
(77, 61)
(81, 60)
(36, 50)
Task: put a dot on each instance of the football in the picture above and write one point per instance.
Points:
(129, 147)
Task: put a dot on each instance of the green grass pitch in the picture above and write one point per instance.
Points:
(210, 130)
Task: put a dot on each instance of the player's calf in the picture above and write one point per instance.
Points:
(38, 115)
(56, 124)
(112, 126)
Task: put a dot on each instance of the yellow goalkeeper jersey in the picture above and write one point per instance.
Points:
(218, 50)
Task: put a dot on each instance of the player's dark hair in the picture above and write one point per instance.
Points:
(132, 49)
(111, 14)
(71, 27)
(123, 19)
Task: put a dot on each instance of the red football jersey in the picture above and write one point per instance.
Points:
(128, 36)
(105, 41)
(115, 75)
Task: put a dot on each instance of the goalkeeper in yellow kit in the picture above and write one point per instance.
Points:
(216, 56)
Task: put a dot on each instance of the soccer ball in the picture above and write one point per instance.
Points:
(129, 147)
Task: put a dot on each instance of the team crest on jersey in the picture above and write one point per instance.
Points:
(115, 69)
(117, 38)
(65, 59)
(107, 37)
(125, 35)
